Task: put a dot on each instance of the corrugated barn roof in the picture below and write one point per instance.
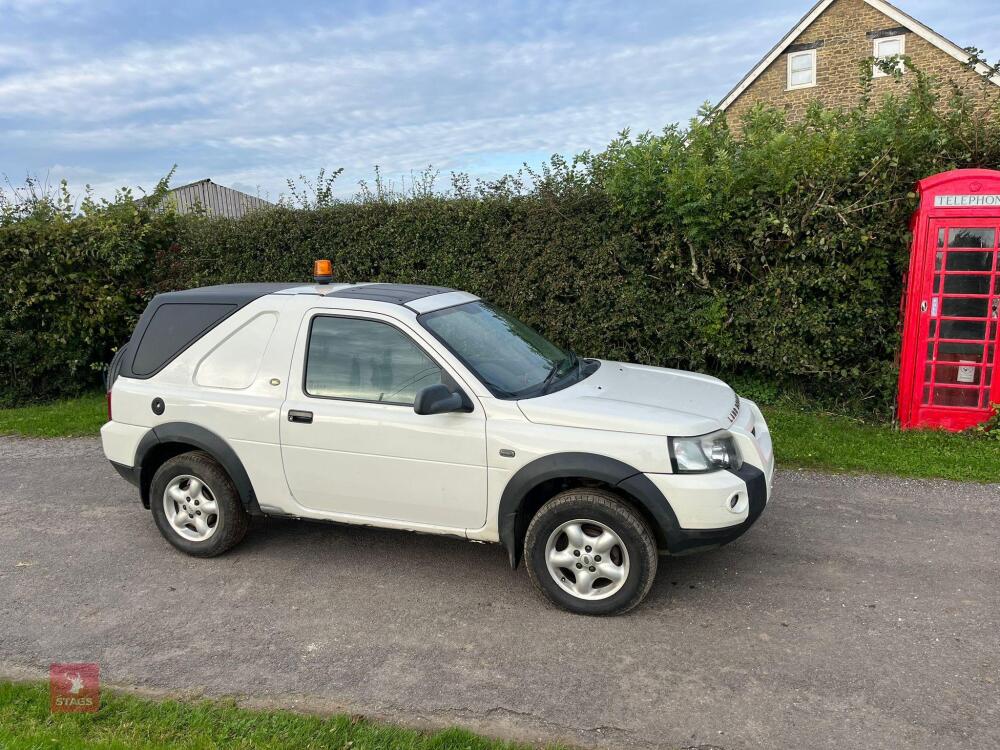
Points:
(217, 200)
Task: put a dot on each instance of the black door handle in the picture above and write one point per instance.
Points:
(305, 417)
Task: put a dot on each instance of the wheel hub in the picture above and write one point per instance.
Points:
(191, 508)
(587, 559)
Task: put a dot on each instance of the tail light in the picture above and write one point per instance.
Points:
(109, 406)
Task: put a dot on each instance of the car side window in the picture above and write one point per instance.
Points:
(365, 360)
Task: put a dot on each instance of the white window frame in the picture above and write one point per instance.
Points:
(792, 55)
(877, 72)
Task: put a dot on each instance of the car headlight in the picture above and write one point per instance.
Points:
(711, 452)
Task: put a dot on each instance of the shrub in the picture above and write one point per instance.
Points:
(74, 285)
(776, 257)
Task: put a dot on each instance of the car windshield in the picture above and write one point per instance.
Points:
(509, 357)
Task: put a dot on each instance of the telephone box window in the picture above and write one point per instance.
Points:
(955, 350)
(964, 307)
(960, 397)
(959, 373)
(975, 238)
(962, 329)
(967, 284)
(969, 261)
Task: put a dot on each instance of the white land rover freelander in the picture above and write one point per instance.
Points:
(428, 409)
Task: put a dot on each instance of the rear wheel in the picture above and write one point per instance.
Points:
(196, 506)
(589, 552)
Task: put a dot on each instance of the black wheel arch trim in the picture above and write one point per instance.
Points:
(129, 473)
(202, 439)
(513, 524)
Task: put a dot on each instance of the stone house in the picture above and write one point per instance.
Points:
(821, 58)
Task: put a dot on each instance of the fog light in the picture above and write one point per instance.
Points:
(737, 504)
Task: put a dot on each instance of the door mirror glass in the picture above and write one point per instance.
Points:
(437, 399)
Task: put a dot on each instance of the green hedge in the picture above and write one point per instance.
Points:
(775, 257)
(74, 284)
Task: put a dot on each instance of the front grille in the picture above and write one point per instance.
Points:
(735, 411)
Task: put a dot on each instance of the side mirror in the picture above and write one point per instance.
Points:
(437, 399)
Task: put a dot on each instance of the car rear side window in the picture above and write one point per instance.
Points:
(365, 360)
(171, 330)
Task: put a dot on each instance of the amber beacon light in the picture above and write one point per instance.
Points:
(322, 271)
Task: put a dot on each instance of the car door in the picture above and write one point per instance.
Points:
(351, 442)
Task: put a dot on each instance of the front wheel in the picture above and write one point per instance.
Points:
(589, 552)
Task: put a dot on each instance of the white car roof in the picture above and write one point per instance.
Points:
(416, 297)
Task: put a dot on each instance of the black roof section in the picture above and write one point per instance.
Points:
(232, 294)
(399, 294)
(174, 320)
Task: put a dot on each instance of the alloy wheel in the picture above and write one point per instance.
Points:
(191, 508)
(587, 559)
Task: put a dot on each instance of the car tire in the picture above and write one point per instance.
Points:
(567, 549)
(196, 506)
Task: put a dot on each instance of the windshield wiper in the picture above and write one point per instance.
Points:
(550, 377)
(554, 372)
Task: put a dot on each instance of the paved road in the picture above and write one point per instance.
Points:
(859, 612)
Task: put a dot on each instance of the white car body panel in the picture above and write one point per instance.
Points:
(508, 429)
(439, 301)
(384, 465)
(385, 461)
(120, 441)
(628, 398)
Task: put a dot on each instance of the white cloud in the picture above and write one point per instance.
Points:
(360, 94)
(38, 10)
(419, 85)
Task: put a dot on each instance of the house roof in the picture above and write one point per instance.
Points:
(903, 19)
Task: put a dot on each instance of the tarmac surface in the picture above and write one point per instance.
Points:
(858, 612)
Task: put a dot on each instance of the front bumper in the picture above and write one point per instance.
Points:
(703, 504)
(685, 541)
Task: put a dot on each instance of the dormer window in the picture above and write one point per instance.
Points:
(886, 48)
(802, 69)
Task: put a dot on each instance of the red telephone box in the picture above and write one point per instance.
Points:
(948, 369)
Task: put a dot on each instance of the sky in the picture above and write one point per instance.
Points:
(253, 93)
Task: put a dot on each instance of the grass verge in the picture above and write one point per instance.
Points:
(803, 438)
(125, 721)
(806, 439)
(71, 417)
